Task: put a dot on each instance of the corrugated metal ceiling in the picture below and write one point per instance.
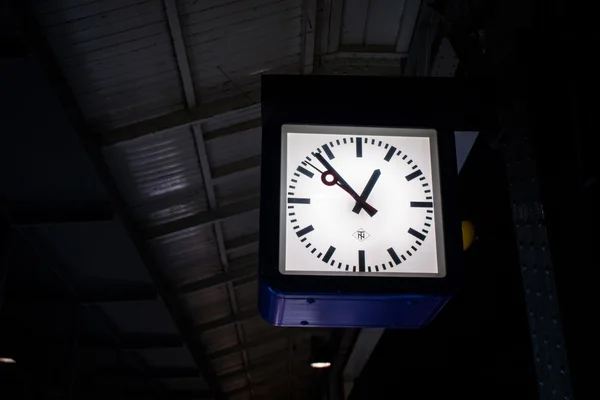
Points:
(120, 60)
(117, 56)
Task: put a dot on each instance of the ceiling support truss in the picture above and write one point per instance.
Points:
(199, 141)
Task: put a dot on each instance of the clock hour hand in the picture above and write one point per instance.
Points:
(338, 180)
(367, 190)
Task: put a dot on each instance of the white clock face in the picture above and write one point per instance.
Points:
(360, 201)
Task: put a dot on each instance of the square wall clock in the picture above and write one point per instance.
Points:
(360, 201)
(358, 221)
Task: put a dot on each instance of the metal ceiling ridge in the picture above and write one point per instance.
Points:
(202, 218)
(239, 268)
(180, 118)
(265, 339)
(231, 319)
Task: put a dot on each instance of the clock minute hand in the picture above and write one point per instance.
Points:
(367, 190)
(344, 185)
(328, 166)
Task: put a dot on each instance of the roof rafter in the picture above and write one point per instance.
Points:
(180, 118)
(253, 343)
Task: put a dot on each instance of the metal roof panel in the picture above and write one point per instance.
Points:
(237, 188)
(232, 383)
(255, 328)
(227, 149)
(187, 256)
(226, 364)
(174, 357)
(231, 118)
(230, 42)
(275, 345)
(155, 165)
(246, 295)
(208, 304)
(220, 338)
(90, 36)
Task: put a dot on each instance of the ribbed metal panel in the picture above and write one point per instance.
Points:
(226, 364)
(246, 295)
(230, 43)
(242, 251)
(276, 345)
(178, 357)
(239, 187)
(231, 118)
(117, 57)
(255, 328)
(238, 146)
(234, 382)
(264, 373)
(187, 256)
(241, 225)
(377, 23)
(220, 338)
(154, 166)
(156, 213)
(208, 304)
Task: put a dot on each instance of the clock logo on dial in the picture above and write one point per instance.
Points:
(361, 204)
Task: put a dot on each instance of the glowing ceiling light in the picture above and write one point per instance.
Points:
(6, 360)
(322, 364)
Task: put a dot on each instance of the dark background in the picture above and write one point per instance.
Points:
(541, 56)
(480, 340)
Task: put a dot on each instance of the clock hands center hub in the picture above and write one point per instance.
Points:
(331, 177)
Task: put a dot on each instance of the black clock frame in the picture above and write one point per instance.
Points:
(363, 101)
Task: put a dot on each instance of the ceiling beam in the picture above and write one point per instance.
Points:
(233, 129)
(335, 25)
(322, 27)
(234, 318)
(229, 171)
(424, 32)
(408, 20)
(92, 142)
(199, 141)
(240, 268)
(257, 365)
(180, 118)
(309, 21)
(242, 241)
(361, 352)
(180, 52)
(203, 218)
(366, 56)
(278, 334)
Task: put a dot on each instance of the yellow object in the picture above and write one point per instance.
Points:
(468, 233)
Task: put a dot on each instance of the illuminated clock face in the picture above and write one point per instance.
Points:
(360, 201)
